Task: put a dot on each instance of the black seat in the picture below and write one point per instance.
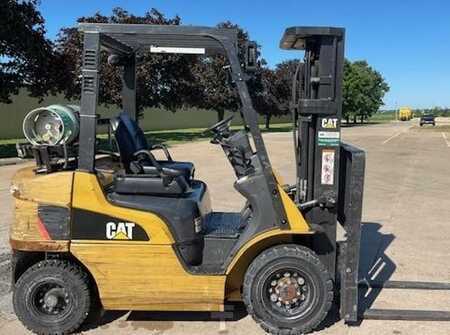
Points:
(131, 140)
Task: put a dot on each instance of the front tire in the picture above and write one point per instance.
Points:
(287, 290)
(52, 297)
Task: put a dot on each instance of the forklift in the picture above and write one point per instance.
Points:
(128, 231)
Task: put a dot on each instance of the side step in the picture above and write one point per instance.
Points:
(404, 314)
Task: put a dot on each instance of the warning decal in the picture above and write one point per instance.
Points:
(329, 138)
(327, 175)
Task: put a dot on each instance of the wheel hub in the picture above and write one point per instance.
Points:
(52, 299)
(287, 290)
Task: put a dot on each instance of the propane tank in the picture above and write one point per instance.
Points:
(52, 125)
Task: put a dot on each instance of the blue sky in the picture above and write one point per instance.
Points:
(407, 41)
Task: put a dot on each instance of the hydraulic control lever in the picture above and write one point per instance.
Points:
(327, 200)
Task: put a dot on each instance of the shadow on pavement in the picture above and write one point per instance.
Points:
(233, 312)
(160, 321)
(366, 123)
(375, 265)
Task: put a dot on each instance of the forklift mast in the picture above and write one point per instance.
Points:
(330, 174)
(316, 108)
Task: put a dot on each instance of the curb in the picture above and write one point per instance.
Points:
(12, 161)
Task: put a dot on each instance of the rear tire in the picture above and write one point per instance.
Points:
(52, 297)
(287, 290)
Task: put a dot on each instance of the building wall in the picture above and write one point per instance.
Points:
(154, 118)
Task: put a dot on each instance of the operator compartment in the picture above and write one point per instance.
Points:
(167, 188)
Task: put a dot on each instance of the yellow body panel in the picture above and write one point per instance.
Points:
(30, 190)
(25, 227)
(147, 277)
(25, 235)
(295, 218)
(54, 188)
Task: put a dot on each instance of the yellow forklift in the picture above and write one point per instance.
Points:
(132, 232)
(405, 114)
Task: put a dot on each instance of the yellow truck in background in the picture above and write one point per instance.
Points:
(405, 114)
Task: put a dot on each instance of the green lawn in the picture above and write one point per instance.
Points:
(382, 117)
(169, 137)
(195, 134)
(375, 119)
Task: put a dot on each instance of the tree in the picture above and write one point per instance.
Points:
(162, 80)
(168, 81)
(213, 78)
(26, 56)
(363, 90)
(274, 98)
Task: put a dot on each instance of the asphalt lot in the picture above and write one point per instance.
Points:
(406, 229)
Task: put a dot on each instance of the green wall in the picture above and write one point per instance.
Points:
(154, 118)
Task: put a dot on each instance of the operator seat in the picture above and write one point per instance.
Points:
(131, 139)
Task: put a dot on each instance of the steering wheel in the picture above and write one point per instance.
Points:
(217, 127)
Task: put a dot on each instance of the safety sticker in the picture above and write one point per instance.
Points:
(329, 138)
(327, 175)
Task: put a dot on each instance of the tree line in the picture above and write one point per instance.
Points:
(29, 60)
(436, 111)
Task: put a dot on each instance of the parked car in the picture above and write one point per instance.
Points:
(427, 119)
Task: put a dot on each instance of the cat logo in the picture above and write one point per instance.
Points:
(330, 123)
(119, 230)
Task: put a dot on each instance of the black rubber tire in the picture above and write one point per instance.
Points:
(62, 273)
(289, 256)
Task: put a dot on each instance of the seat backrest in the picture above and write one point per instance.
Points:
(130, 138)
